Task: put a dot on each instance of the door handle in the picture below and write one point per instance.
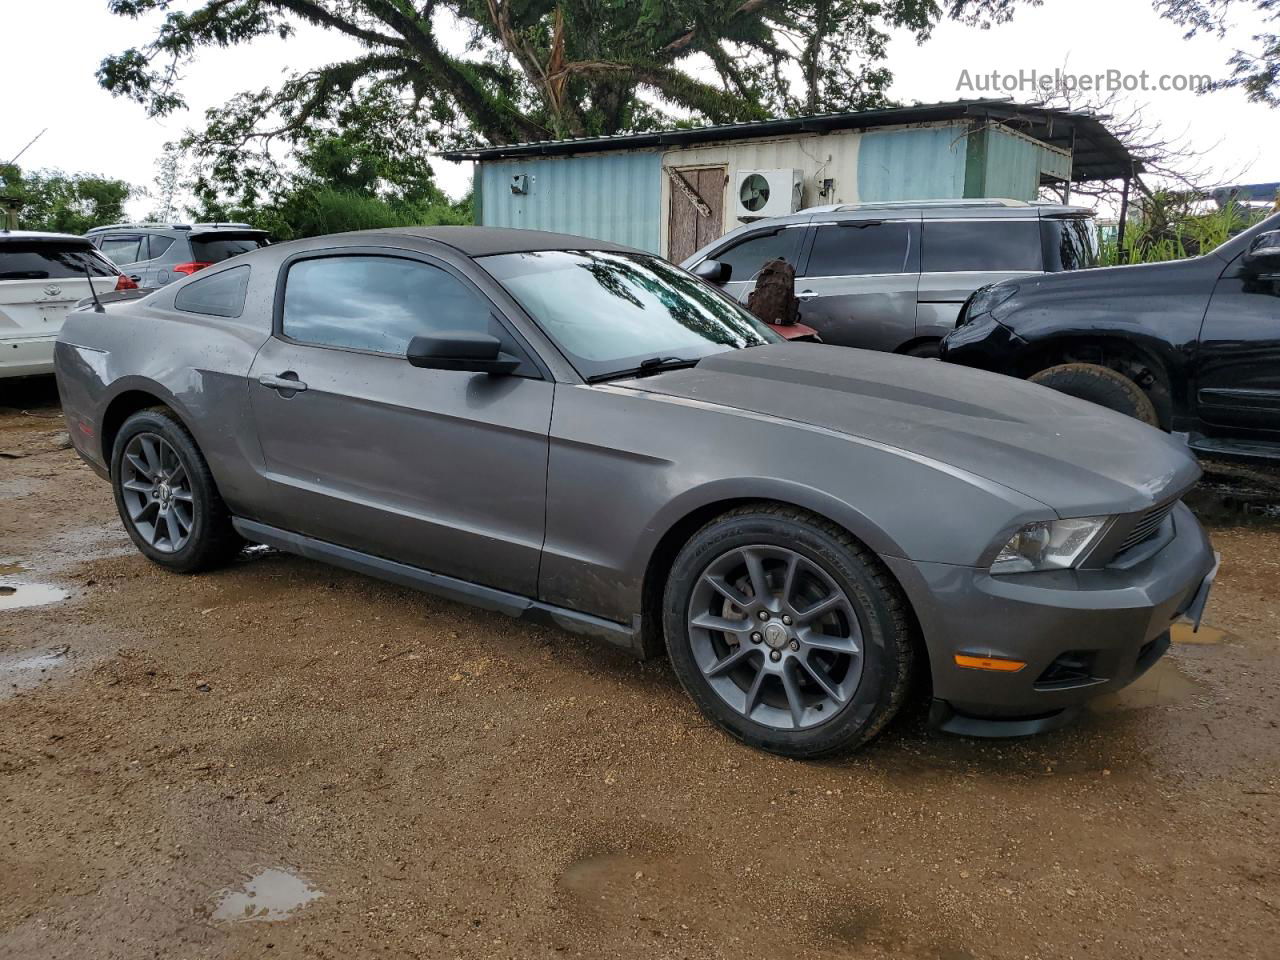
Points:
(136, 277)
(806, 294)
(286, 382)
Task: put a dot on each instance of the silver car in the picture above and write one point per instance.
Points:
(153, 254)
(569, 430)
(893, 276)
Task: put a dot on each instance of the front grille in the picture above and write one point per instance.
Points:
(1146, 527)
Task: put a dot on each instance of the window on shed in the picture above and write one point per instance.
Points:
(952, 246)
(861, 248)
(748, 256)
(219, 295)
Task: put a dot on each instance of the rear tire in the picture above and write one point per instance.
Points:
(1100, 385)
(830, 664)
(166, 496)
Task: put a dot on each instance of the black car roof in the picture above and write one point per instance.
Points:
(485, 241)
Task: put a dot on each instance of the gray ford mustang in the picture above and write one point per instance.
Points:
(565, 429)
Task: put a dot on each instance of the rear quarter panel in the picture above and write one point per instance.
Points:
(194, 364)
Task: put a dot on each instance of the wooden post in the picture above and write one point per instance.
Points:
(1124, 214)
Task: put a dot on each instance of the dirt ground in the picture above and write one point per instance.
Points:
(285, 760)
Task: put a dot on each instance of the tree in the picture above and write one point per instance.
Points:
(169, 178)
(64, 202)
(537, 69)
(1256, 71)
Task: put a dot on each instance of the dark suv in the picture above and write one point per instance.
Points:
(153, 254)
(1191, 346)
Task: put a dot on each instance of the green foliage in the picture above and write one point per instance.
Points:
(1255, 66)
(1173, 228)
(64, 202)
(538, 69)
(531, 70)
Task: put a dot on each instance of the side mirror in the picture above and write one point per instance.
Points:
(473, 352)
(713, 271)
(1264, 253)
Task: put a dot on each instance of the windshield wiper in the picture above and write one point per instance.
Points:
(645, 368)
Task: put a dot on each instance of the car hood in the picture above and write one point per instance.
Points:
(1077, 458)
(1144, 278)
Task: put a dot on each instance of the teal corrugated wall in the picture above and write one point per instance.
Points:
(922, 164)
(614, 197)
(1013, 166)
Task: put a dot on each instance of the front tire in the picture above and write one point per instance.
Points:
(787, 632)
(166, 496)
(1100, 385)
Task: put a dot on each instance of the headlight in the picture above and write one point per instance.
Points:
(1049, 545)
(988, 298)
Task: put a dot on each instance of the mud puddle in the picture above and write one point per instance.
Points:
(17, 596)
(27, 669)
(269, 895)
(1161, 686)
(1206, 636)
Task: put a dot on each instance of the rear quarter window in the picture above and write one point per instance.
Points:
(51, 260)
(981, 246)
(1070, 243)
(219, 295)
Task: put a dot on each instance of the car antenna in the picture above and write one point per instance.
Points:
(97, 304)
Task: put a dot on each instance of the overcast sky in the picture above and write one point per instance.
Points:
(53, 47)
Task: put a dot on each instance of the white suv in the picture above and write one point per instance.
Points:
(42, 276)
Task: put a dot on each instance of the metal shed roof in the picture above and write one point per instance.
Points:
(1098, 155)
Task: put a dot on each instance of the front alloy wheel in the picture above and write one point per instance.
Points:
(787, 632)
(775, 637)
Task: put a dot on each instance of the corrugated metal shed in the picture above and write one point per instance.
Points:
(614, 196)
(925, 163)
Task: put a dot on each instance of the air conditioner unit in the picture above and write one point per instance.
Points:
(767, 193)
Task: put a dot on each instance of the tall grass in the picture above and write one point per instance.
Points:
(1170, 228)
(310, 213)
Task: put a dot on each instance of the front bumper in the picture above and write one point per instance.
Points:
(26, 356)
(1110, 624)
(983, 343)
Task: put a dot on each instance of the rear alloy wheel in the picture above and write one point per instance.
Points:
(1101, 385)
(786, 632)
(166, 496)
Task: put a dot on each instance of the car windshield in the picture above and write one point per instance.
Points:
(610, 312)
(1070, 243)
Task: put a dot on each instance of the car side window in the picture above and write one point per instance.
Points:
(123, 249)
(861, 248)
(219, 295)
(748, 256)
(952, 246)
(377, 303)
(157, 246)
